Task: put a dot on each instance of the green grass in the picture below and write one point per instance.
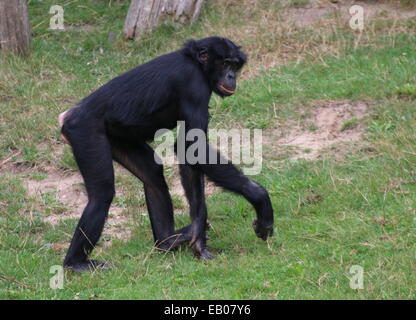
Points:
(330, 214)
(364, 74)
(298, 3)
(349, 124)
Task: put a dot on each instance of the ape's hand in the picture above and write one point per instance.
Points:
(261, 231)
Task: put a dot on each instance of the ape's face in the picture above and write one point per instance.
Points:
(226, 62)
(221, 60)
(227, 71)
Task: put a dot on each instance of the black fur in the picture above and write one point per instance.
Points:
(114, 123)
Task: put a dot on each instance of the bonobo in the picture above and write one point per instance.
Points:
(117, 120)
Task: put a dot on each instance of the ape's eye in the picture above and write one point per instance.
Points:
(204, 56)
(229, 64)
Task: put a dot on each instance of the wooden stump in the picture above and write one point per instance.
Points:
(14, 26)
(143, 15)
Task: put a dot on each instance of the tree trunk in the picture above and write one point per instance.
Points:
(14, 26)
(144, 14)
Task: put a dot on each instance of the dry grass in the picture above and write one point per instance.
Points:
(277, 33)
(329, 214)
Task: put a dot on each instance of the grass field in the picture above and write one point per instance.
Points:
(351, 202)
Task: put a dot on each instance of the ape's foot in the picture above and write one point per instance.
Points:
(180, 236)
(186, 232)
(88, 265)
(171, 242)
(204, 254)
(200, 250)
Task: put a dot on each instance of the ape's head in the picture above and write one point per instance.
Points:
(221, 60)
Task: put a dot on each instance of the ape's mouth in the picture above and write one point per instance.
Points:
(227, 91)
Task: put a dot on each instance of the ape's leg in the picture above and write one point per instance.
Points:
(194, 185)
(93, 155)
(139, 159)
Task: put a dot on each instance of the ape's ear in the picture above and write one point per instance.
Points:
(193, 50)
(242, 56)
(203, 55)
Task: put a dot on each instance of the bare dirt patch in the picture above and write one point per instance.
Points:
(69, 192)
(330, 123)
(303, 17)
(71, 197)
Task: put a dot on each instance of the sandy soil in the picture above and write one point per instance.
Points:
(327, 126)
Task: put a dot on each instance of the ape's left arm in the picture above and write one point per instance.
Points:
(226, 176)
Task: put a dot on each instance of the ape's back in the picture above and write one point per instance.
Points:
(146, 89)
